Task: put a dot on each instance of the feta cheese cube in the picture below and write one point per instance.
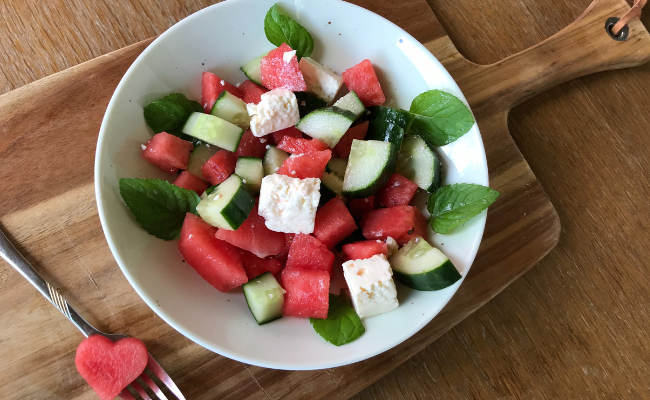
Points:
(277, 110)
(320, 80)
(287, 56)
(392, 245)
(371, 285)
(289, 204)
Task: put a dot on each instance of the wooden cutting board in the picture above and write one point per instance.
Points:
(48, 132)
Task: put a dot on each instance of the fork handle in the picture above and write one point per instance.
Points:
(10, 254)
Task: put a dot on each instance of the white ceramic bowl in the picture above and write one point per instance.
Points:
(220, 38)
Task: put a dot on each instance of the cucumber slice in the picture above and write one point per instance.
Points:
(251, 171)
(352, 103)
(327, 124)
(265, 298)
(201, 153)
(213, 130)
(401, 118)
(419, 162)
(337, 166)
(228, 206)
(208, 191)
(333, 183)
(385, 131)
(370, 166)
(320, 80)
(273, 159)
(307, 103)
(420, 266)
(252, 69)
(232, 109)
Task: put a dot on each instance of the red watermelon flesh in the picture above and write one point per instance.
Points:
(363, 80)
(333, 222)
(345, 143)
(284, 254)
(358, 207)
(211, 88)
(420, 229)
(306, 165)
(279, 135)
(394, 222)
(256, 266)
(295, 145)
(189, 181)
(398, 191)
(365, 249)
(254, 236)
(307, 293)
(251, 92)
(218, 262)
(279, 74)
(251, 145)
(219, 167)
(167, 152)
(308, 253)
(109, 367)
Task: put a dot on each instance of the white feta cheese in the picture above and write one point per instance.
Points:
(392, 246)
(287, 56)
(277, 110)
(320, 80)
(371, 285)
(289, 204)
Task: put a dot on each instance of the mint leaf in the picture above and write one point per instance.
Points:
(342, 325)
(169, 114)
(440, 117)
(453, 205)
(157, 205)
(282, 29)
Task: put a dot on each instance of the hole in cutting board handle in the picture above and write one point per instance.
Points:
(622, 35)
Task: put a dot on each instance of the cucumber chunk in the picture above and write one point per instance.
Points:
(232, 109)
(352, 103)
(370, 165)
(420, 266)
(251, 171)
(337, 166)
(307, 103)
(228, 206)
(401, 118)
(327, 124)
(265, 298)
(213, 130)
(419, 162)
(201, 153)
(273, 159)
(252, 69)
(385, 131)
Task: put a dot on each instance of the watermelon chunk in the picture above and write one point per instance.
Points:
(279, 135)
(395, 222)
(307, 293)
(254, 236)
(398, 191)
(218, 262)
(365, 249)
(358, 207)
(167, 152)
(363, 80)
(345, 143)
(420, 229)
(219, 167)
(211, 88)
(251, 145)
(333, 223)
(189, 181)
(251, 92)
(306, 166)
(308, 253)
(255, 266)
(295, 145)
(280, 74)
(109, 367)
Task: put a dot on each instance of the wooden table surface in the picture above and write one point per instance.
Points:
(575, 326)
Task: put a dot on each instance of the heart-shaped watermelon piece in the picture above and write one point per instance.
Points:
(109, 367)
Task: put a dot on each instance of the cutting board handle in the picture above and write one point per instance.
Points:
(582, 48)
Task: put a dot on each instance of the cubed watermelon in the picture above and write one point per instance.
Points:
(358, 207)
(365, 249)
(363, 80)
(345, 143)
(256, 266)
(251, 92)
(211, 88)
(307, 293)
(254, 236)
(189, 181)
(394, 222)
(251, 145)
(306, 165)
(218, 262)
(420, 229)
(219, 167)
(333, 223)
(279, 135)
(309, 253)
(284, 254)
(280, 74)
(398, 191)
(168, 152)
(295, 145)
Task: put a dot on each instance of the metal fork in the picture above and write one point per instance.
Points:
(16, 260)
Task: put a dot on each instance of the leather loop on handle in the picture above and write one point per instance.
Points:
(635, 12)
